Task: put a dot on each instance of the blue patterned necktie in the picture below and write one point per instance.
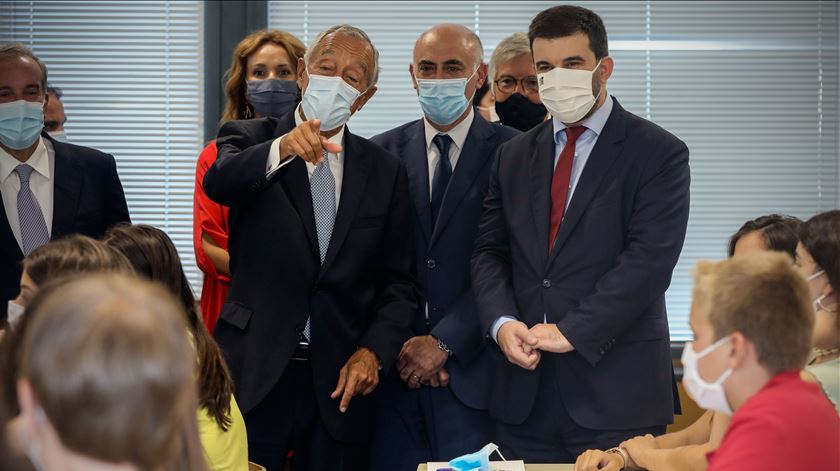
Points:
(33, 228)
(442, 173)
(322, 185)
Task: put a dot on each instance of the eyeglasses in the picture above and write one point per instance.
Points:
(508, 84)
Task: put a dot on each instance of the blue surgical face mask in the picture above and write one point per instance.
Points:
(272, 97)
(328, 99)
(478, 461)
(443, 100)
(21, 123)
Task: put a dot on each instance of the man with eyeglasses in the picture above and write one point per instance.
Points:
(514, 84)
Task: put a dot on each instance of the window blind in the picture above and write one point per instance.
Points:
(132, 75)
(751, 87)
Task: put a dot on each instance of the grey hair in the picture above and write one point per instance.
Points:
(349, 31)
(508, 49)
(19, 50)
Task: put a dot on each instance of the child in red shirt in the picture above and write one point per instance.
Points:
(752, 319)
(788, 425)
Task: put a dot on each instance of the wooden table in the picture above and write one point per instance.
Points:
(530, 467)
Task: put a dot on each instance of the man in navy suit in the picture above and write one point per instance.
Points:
(583, 223)
(322, 296)
(49, 188)
(434, 407)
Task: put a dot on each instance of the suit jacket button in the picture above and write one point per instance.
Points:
(546, 283)
(431, 263)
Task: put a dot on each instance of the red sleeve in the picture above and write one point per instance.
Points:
(209, 217)
(750, 444)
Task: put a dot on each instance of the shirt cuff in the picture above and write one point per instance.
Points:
(498, 323)
(273, 164)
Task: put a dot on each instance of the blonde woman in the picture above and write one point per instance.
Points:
(261, 82)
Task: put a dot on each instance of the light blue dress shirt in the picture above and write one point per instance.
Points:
(583, 147)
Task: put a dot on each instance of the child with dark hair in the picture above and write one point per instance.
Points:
(222, 428)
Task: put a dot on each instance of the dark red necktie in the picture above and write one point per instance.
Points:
(560, 182)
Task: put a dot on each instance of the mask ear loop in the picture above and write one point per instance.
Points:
(470, 100)
(498, 452)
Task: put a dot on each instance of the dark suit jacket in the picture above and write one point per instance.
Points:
(362, 296)
(88, 198)
(443, 254)
(605, 280)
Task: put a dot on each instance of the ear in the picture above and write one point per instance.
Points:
(363, 98)
(482, 76)
(46, 101)
(413, 77)
(29, 405)
(741, 350)
(301, 72)
(828, 290)
(606, 69)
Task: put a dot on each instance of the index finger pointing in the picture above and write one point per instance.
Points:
(349, 392)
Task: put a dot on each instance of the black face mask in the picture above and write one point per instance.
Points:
(519, 112)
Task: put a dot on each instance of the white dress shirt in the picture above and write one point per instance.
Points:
(458, 135)
(40, 182)
(336, 160)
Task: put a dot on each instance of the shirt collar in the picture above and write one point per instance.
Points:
(596, 122)
(458, 133)
(338, 138)
(39, 161)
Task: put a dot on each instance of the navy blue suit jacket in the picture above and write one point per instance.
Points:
(88, 199)
(605, 280)
(443, 250)
(363, 295)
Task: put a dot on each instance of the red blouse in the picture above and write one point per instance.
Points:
(209, 218)
(788, 425)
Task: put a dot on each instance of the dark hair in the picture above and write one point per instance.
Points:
(479, 94)
(58, 92)
(19, 50)
(780, 233)
(820, 236)
(154, 256)
(568, 20)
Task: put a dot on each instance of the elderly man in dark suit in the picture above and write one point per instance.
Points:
(434, 407)
(583, 223)
(321, 296)
(49, 188)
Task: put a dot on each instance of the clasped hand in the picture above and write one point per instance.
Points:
(421, 363)
(522, 345)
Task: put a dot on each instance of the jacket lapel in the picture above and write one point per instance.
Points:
(352, 188)
(474, 156)
(541, 168)
(606, 149)
(417, 169)
(295, 182)
(67, 186)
